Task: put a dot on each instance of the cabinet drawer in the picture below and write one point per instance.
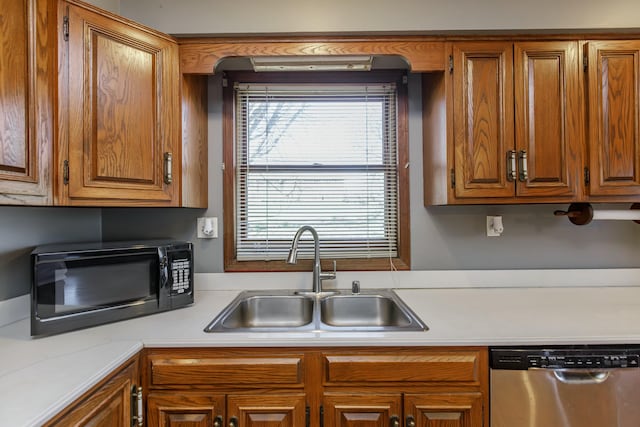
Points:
(228, 371)
(458, 367)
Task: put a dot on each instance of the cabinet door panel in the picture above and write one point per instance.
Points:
(614, 116)
(108, 406)
(548, 117)
(184, 409)
(263, 410)
(361, 410)
(26, 111)
(483, 118)
(123, 113)
(445, 410)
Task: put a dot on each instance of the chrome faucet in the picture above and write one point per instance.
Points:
(318, 275)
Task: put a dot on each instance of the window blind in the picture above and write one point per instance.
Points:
(320, 155)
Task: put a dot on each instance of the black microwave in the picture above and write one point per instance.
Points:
(75, 286)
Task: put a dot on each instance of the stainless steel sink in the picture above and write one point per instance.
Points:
(362, 310)
(267, 311)
(257, 311)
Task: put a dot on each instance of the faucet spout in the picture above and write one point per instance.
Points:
(318, 275)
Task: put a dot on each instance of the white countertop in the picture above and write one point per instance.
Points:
(39, 377)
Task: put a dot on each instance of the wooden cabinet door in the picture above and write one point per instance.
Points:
(265, 410)
(614, 117)
(26, 107)
(549, 123)
(107, 406)
(185, 409)
(362, 410)
(444, 410)
(482, 118)
(123, 112)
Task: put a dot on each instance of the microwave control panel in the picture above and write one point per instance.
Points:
(181, 276)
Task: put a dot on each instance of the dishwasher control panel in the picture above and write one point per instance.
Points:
(583, 358)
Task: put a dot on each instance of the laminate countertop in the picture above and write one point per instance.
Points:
(40, 376)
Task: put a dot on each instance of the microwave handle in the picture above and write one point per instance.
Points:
(164, 268)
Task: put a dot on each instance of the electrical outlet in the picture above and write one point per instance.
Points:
(207, 228)
(494, 226)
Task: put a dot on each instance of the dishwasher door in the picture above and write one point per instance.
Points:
(565, 397)
(539, 390)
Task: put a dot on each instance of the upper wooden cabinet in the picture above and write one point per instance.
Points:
(613, 70)
(26, 102)
(119, 87)
(515, 122)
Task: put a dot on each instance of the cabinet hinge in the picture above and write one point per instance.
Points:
(405, 79)
(307, 416)
(587, 176)
(137, 417)
(450, 64)
(585, 63)
(65, 172)
(321, 416)
(65, 27)
(453, 178)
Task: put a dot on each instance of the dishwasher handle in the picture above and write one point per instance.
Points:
(581, 376)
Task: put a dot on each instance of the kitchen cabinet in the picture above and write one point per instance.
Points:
(511, 116)
(112, 403)
(195, 409)
(119, 111)
(613, 70)
(367, 386)
(26, 102)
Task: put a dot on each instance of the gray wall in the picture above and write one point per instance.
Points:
(445, 237)
(304, 16)
(23, 228)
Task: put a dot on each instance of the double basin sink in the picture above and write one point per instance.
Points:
(281, 311)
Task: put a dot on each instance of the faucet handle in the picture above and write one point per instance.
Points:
(329, 275)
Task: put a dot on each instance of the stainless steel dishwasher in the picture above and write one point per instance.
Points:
(579, 386)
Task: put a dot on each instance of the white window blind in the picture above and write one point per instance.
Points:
(320, 155)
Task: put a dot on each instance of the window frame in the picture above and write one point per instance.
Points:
(231, 263)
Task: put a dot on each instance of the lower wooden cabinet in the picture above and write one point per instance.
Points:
(443, 410)
(202, 409)
(395, 410)
(112, 403)
(329, 387)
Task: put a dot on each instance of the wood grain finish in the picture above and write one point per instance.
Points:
(549, 118)
(200, 56)
(26, 102)
(252, 370)
(194, 142)
(445, 409)
(614, 117)
(448, 366)
(192, 409)
(267, 410)
(351, 386)
(482, 118)
(361, 409)
(106, 405)
(123, 88)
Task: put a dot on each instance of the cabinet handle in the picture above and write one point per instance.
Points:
(522, 157)
(168, 160)
(411, 422)
(136, 397)
(233, 422)
(217, 422)
(511, 165)
(394, 421)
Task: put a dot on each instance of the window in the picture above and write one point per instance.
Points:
(319, 149)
